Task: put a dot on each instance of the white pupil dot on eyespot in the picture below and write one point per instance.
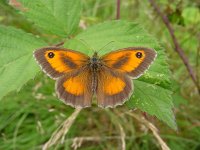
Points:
(51, 54)
(139, 55)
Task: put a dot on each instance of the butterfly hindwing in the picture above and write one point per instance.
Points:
(133, 61)
(58, 61)
(113, 88)
(75, 89)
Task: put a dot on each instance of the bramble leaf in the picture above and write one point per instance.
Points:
(152, 91)
(57, 17)
(17, 64)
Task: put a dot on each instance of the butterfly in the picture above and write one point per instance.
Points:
(80, 78)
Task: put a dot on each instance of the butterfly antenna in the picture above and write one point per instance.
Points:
(87, 45)
(104, 46)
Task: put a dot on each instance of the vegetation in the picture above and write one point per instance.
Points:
(30, 111)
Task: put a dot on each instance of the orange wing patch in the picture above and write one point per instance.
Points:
(74, 85)
(113, 85)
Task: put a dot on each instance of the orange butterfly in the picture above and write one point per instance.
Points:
(108, 78)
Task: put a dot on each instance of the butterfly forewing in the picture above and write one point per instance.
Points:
(58, 61)
(133, 61)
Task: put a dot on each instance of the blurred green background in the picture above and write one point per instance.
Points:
(29, 117)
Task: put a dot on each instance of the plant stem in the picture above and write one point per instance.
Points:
(118, 10)
(177, 48)
(150, 126)
(62, 130)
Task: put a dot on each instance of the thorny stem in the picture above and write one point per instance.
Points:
(177, 48)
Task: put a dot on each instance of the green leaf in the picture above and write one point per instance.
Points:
(17, 64)
(191, 15)
(57, 17)
(152, 91)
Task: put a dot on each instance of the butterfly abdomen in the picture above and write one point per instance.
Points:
(94, 70)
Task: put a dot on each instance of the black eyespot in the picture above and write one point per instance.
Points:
(51, 54)
(138, 55)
